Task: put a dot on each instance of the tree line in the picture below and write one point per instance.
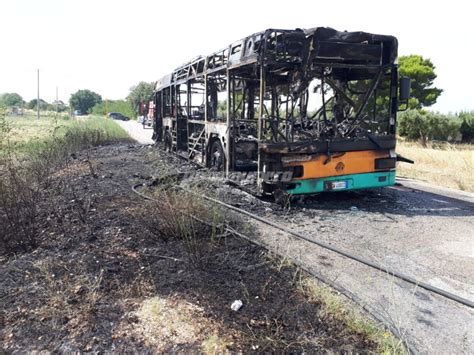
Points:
(86, 101)
(14, 100)
(417, 123)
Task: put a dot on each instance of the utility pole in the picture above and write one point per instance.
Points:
(57, 102)
(38, 97)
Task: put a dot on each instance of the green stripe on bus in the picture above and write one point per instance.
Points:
(343, 183)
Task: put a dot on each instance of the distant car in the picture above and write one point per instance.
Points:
(118, 116)
(77, 113)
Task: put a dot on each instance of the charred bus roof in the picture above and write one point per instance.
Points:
(308, 48)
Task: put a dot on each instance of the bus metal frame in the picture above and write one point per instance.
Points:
(263, 124)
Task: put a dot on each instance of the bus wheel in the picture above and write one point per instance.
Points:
(168, 142)
(217, 157)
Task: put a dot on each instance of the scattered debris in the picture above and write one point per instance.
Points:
(236, 305)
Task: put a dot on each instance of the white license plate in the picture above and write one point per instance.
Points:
(337, 185)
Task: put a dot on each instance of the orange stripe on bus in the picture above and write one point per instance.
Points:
(340, 164)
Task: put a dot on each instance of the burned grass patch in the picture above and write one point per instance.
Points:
(136, 275)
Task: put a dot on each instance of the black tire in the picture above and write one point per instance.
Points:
(168, 142)
(281, 197)
(217, 157)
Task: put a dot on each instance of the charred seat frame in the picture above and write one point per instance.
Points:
(278, 97)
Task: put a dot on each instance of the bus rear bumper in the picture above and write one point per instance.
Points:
(342, 183)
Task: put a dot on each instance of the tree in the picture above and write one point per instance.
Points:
(467, 126)
(58, 105)
(11, 99)
(425, 125)
(141, 92)
(84, 100)
(32, 104)
(121, 106)
(422, 74)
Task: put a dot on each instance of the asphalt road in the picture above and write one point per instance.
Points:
(137, 132)
(424, 234)
(419, 229)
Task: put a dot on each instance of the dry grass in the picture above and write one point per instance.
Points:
(214, 345)
(449, 165)
(167, 322)
(334, 307)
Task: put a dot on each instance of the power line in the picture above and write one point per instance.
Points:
(38, 97)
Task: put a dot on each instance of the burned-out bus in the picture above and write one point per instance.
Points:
(306, 110)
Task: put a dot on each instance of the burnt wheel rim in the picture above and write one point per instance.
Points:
(217, 159)
(168, 142)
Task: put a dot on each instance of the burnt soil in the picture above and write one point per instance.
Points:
(96, 263)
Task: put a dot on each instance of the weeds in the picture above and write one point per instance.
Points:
(26, 169)
(173, 215)
(19, 195)
(214, 345)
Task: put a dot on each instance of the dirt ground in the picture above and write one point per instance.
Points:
(99, 280)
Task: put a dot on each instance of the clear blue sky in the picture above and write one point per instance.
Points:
(108, 46)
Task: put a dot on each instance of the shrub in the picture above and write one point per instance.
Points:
(425, 125)
(443, 127)
(173, 215)
(20, 193)
(121, 106)
(44, 106)
(11, 100)
(467, 126)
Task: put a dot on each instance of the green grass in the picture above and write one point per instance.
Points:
(26, 134)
